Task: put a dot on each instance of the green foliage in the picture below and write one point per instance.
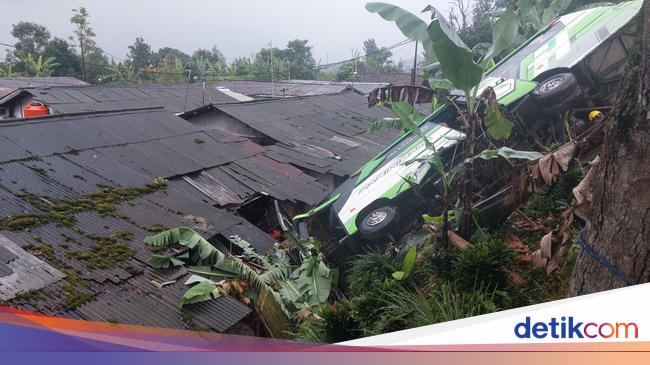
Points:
(338, 323)
(451, 304)
(555, 198)
(481, 265)
(163, 262)
(456, 60)
(369, 270)
(377, 58)
(407, 264)
(200, 292)
(38, 67)
(308, 286)
(410, 25)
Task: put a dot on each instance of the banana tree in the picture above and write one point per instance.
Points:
(531, 16)
(456, 63)
(39, 67)
(305, 287)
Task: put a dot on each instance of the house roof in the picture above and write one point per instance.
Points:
(295, 87)
(176, 98)
(393, 78)
(324, 133)
(362, 87)
(76, 192)
(280, 89)
(9, 85)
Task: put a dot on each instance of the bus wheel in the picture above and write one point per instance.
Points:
(378, 222)
(556, 90)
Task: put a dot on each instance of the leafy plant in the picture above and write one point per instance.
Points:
(369, 270)
(163, 262)
(306, 287)
(39, 67)
(452, 304)
(407, 264)
(481, 265)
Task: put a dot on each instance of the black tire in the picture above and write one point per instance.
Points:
(378, 222)
(556, 90)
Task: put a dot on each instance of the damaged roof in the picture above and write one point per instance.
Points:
(176, 98)
(77, 197)
(324, 133)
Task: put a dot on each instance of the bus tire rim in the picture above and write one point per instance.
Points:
(376, 217)
(551, 84)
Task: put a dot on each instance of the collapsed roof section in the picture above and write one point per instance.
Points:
(81, 192)
(326, 134)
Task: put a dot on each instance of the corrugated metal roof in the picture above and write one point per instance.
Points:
(175, 98)
(326, 133)
(9, 85)
(65, 160)
(280, 89)
(21, 271)
(295, 87)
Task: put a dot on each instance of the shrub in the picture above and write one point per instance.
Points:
(369, 270)
(482, 265)
(338, 323)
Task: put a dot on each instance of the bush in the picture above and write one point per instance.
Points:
(338, 323)
(481, 265)
(369, 270)
(450, 303)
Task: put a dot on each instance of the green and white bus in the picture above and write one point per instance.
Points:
(578, 57)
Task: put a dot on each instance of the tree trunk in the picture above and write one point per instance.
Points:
(619, 226)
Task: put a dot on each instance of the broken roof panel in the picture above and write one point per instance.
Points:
(22, 271)
(328, 132)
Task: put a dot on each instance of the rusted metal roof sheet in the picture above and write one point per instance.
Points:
(326, 133)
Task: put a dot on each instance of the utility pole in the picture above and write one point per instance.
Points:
(83, 57)
(415, 63)
(272, 91)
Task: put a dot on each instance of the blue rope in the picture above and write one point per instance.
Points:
(603, 261)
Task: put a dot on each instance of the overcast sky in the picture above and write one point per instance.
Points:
(236, 27)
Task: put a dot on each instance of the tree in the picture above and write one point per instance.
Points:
(32, 39)
(84, 36)
(96, 64)
(212, 56)
(159, 57)
(347, 72)
(140, 55)
(377, 59)
(301, 61)
(66, 59)
(618, 228)
(480, 29)
(37, 66)
(241, 66)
